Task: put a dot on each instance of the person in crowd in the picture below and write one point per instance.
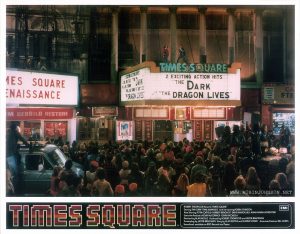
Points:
(180, 189)
(167, 169)
(216, 172)
(12, 151)
(228, 178)
(133, 190)
(198, 166)
(233, 155)
(73, 149)
(124, 172)
(245, 159)
(147, 159)
(119, 190)
(189, 154)
(235, 137)
(225, 143)
(112, 174)
(281, 178)
(290, 171)
(264, 139)
(65, 174)
(92, 154)
(168, 154)
(274, 188)
(136, 176)
(285, 137)
(66, 150)
(101, 187)
(59, 142)
(151, 178)
(54, 182)
(255, 141)
(240, 187)
(81, 155)
(90, 175)
(199, 188)
(242, 138)
(253, 182)
(163, 186)
(282, 164)
(72, 188)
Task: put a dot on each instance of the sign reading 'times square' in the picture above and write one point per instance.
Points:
(35, 88)
(144, 85)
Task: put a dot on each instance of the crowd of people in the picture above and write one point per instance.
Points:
(241, 162)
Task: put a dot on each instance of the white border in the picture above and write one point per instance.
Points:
(5, 199)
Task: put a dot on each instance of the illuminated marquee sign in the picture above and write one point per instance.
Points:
(40, 88)
(193, 68)
(145, 85)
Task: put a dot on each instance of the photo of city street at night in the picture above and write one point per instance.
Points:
(150, 101)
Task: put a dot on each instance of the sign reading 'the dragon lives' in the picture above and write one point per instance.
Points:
(142, 84)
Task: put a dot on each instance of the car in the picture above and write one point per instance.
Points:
(36, 167)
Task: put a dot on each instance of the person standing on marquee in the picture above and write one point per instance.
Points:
(165, 54)
(181, 55)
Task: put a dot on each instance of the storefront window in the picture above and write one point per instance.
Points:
(32, 130)
(95, 128)
(286, 119)
(163, 130)
(83, 129)
(53, 130)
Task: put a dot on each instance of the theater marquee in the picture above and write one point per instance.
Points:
(32, 88)
(142, 86)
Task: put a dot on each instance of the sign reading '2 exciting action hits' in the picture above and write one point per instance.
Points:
(176, 85)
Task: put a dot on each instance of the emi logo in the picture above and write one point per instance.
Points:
(283, 208)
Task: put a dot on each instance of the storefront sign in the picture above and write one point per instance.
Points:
(144, 85)
(41, 88)
(124, 130)
(279, 94)
(104, 111)
(193, 68)
(19, 114)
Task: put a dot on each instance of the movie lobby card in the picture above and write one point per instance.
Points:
(148, 116)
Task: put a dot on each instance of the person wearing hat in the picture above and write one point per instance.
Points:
(133, 190)
(119, 190)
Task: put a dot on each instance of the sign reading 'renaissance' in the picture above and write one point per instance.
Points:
(40, 88)
(144, 85)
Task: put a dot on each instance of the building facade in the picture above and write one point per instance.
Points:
(100, 44)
